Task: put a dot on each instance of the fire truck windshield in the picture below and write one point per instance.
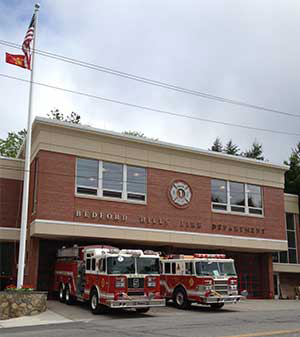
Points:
(121, 265)
(213, 268)
(147, 265)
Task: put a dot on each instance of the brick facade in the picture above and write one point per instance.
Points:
(10, 202)
(57, 201)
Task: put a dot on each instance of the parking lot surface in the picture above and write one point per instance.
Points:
(250, 318)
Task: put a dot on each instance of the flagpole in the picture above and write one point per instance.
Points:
(22, 246)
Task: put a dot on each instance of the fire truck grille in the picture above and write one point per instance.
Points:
(221, 287)
(135, 283)
(135, 293)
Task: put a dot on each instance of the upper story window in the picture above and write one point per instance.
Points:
(112, 180)
(236, 197)
(87, 176)
(289, 256)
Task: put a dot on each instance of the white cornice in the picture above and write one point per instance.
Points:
(166, 145)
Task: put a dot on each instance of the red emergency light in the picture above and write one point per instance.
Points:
(210, 256)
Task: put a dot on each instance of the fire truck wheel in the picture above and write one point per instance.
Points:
(216, 306)
(68, 296)
(180, 299)
(142, 310)
(95, 306)
(61, 294)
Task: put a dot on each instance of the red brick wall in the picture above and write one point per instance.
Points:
(10, 202)
(57, 201)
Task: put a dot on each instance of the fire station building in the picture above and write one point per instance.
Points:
(91, 186)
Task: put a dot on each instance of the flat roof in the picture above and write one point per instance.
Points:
(154, 143)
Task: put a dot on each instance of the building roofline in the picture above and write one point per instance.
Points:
(155, 143)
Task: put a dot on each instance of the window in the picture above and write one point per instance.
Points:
(87, 176)
(289, 256)
(167, 268)
(93, 264)
(291, 237)
(236, 197)
(102, 265)
(111, 180)
(189, 268)
(219, 194)
(254, 199)
(173, 267)
(88, 264)
(136, 183)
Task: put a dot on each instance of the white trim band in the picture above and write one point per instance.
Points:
(52, 228)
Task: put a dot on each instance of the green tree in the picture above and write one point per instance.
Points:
(292, 176)
(255, 151)
(231, 148)
(72, 118)
(217, 145)
(138, 134)
(10, 146)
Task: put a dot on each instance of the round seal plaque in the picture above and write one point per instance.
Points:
(180, 194)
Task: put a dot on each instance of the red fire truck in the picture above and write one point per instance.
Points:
(208, 279)
(108, 278)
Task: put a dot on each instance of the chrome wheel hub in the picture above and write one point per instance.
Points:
(179, 298)
(94, 302)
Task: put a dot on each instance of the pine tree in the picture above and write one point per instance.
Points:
(255, 151)
(217, 145)
(292, 176)
(231, 148)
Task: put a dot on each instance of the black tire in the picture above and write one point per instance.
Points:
(61, 294)
(216, 306)
(180, 299)
(95, 306)
(68, 297)
(168, 301)
(142, 310)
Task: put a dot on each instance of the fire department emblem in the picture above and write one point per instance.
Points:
(191, 282)
(180, 194)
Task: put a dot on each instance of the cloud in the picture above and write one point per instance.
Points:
(241, 50)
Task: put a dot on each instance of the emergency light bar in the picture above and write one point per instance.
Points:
(197, 256)
(210, 256)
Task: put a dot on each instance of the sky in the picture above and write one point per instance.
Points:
(243, 50)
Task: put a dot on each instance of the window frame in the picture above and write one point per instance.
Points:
(228, 206)
(295, 249)
(99, 190)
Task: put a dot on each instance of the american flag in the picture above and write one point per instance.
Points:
(27, 41)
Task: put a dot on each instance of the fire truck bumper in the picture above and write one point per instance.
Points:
(224, 299)
(136, 303)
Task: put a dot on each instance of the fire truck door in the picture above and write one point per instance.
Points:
(81, 278)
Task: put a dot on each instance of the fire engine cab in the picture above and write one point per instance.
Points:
(208, 279)
(108, 277)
